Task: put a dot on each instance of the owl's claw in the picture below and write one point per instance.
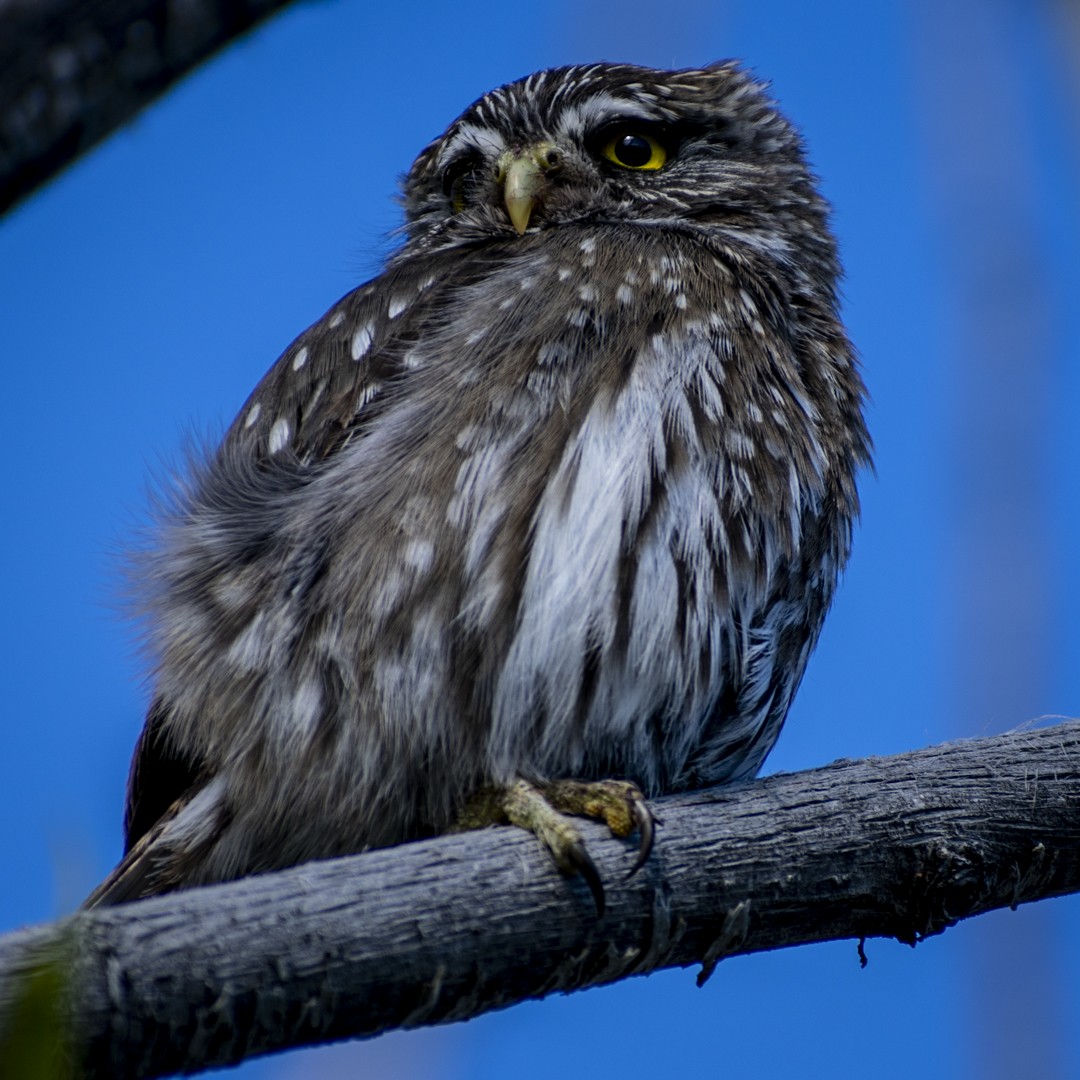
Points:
(619, 803)
(541, 808)
(581, 862)
(645, 821)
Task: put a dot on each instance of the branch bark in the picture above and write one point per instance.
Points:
(452, 927)
(72, 71)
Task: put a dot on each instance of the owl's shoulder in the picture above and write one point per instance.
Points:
(306, 405)
(597, 288)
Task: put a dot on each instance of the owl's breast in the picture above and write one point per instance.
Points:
(667, 472)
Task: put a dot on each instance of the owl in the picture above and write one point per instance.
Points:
(542, 521)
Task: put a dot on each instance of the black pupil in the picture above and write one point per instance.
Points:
(633, 150)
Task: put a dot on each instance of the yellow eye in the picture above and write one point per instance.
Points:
(635, 151)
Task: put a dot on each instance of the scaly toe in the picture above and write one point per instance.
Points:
(541, 807)
(618, 803)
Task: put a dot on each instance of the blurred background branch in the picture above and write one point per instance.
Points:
(72, 71)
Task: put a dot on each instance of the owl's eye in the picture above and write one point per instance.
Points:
(456, 180)
(635, 150)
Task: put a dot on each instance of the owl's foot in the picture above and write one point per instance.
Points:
(540, 807)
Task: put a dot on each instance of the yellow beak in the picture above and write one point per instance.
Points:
(522, 177)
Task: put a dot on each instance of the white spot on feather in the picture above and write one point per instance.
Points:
(366, 394)
(740, 446)
(250, 649)
(396, 306)
(361, 341)
(300, 359)
(420, 554)
(306, 706)
(253, 414)
(279, 435)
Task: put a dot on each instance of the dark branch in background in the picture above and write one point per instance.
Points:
(446, 929)
(73, 70)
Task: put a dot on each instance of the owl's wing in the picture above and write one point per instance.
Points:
(161, 783)
(317, 397)
(333, 379)
(138, 874)
(159, 776)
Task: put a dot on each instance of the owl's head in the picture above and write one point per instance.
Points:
(702, 148)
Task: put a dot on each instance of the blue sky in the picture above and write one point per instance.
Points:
(148, 288)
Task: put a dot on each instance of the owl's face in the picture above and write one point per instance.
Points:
(609, 143)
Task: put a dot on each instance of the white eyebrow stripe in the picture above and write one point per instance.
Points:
(471, 137)
(583, 117)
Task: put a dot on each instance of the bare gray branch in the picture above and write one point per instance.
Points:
(453, 927)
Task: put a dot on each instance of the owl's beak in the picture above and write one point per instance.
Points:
(522, 177)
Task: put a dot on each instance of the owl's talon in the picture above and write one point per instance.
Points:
(645, 822)
(581, 862)
(541, 808)
(529, 807)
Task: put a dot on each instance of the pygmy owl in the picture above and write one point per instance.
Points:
(546, 517)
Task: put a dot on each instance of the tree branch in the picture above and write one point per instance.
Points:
(449, 928)
(72, 71)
